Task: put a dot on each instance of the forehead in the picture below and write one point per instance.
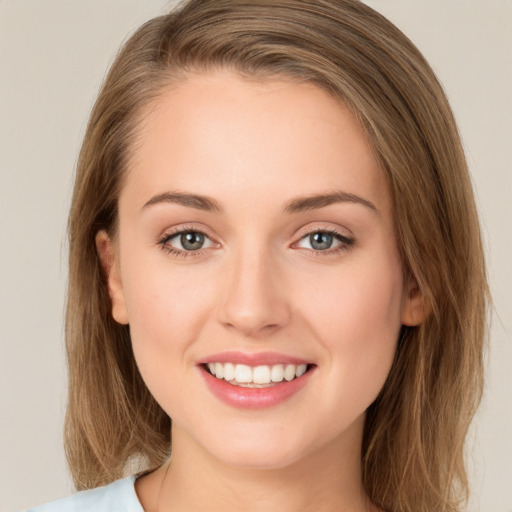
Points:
(218, 133)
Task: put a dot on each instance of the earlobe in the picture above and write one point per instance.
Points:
(415, 308)
(110, 267)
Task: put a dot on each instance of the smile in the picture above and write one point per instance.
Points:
(255, 381)
(258, 376)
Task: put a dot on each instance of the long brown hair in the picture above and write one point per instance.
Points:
(415, 431)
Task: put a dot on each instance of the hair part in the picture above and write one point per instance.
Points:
(413, 445)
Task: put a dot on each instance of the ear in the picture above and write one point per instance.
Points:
(111, 270)
(415, 308)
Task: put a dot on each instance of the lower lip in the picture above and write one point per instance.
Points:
(254, 398)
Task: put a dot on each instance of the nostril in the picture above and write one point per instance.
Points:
(252, 329)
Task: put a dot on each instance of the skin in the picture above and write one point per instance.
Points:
(258, 284)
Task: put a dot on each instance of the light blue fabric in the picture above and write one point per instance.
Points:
(119, 496)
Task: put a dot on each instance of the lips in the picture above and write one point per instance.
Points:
(255, 381)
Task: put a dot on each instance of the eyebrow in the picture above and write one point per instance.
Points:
(191, 200)
(297, 205)
(302, 204)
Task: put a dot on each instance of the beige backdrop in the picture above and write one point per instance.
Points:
(53, 56)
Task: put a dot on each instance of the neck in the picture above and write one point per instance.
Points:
(328, 480)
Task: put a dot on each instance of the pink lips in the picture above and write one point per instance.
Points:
(253, 398)
(254, 359)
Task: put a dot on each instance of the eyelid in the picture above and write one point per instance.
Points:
(324, 228)
(185, 228)
(178, 234)
(345, 239)
(168, 234)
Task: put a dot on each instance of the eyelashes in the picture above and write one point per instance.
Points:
(324, 242)
(192, 242)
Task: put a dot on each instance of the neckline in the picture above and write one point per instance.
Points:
(133, 492)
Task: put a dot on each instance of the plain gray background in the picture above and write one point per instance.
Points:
(53, 57)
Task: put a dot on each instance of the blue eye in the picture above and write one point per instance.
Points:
(191, 242)
(325, 241)
(321, 241)
(186, 241)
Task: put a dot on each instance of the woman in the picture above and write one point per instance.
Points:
(316, 341)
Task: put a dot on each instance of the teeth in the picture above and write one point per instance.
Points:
(219, 370)
(261, 375)
(277, 373)
(258, 376)
(289, 372)
(301, 370)
(229, 371)
(243, 373)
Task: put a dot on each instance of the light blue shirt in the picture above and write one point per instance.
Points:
(119, 496)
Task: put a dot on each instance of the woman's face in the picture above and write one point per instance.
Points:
(256, 241)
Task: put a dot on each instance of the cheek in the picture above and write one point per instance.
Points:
(358, 322)
(162, 328)
(163, 325)
(165, 302)
(166, 313)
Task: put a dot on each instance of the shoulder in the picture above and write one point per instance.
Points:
(119, 496)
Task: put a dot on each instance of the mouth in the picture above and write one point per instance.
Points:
(255, 381)
(262, 376)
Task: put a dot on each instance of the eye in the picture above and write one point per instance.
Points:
(191, 241)
(185, 241)
(325, 241)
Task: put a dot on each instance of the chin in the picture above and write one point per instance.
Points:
(260, 450)
(251, 458)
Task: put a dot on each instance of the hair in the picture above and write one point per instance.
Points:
(413, 442)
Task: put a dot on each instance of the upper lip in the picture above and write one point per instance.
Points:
(253, 358)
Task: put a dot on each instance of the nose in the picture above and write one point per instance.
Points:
(253, 299)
